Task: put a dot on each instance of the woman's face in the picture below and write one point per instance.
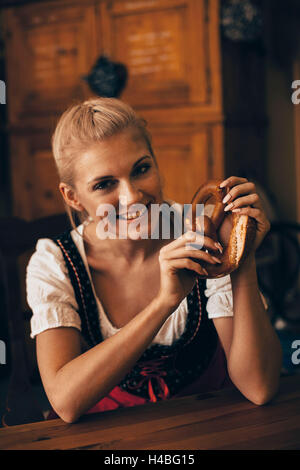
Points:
(120, 172)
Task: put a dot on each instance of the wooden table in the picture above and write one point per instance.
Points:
(217, 420)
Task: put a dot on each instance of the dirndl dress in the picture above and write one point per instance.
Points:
(194, 363)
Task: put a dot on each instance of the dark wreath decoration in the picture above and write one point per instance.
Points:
(107, 78)
(241, 20)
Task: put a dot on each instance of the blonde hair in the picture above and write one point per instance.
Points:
(85, 123)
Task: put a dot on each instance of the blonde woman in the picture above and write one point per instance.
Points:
(121, 321)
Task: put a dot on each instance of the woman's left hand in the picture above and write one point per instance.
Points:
(243, 199)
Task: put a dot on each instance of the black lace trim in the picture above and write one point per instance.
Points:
(88, 310)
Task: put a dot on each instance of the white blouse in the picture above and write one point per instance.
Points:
(51, 297)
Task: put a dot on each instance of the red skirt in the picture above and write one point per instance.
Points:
(215, 377)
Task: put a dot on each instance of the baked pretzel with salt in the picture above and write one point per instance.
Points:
(237, 230)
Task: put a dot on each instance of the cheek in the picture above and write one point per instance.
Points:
(154, 182)
(111, 201)
(159, 186)
(152, 187)
(88, 206)
(90, 202)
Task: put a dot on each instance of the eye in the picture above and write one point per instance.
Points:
(141, 170)
(103, 185)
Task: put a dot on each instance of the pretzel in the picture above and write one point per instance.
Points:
(242, 234)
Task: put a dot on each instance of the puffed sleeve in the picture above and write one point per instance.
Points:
(50, 293)
(220, 299)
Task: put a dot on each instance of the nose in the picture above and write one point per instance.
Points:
(130, 194)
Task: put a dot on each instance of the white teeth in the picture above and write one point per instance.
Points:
(132, 216)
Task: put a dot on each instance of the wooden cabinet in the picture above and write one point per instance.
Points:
(172, 50)
(49, 47)
(179, 151)
(34, 176)
(166, 46)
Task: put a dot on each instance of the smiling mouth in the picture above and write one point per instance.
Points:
(134, 215)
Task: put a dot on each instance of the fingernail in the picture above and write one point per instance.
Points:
(205, 272)
(217, 245)
(216, 260)
(223, 184)
(228, 207)
(226, 198)
(236, 210)
(190, 236)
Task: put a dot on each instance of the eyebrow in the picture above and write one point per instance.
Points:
(100, 178)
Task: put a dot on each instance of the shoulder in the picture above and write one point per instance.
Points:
(50, 294)
(46, 271)
(48, 255)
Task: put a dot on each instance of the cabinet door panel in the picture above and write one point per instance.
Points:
(166, 46)
(35, 184)
(48, 199)
(184, 160)
(49, 45)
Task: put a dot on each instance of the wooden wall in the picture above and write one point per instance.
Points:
(199, 94)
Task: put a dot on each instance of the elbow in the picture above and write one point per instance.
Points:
(68, 419)
(66, 415)
(261, 399)
(266, 392)
(64, 409)
(259, 393)
(263, 396)
(258, 386)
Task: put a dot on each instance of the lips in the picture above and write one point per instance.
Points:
(133, 215)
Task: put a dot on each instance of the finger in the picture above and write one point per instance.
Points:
(232, 181)
(209, 244)
(204, 243)
(255, 213)
(196, 254)
(244, 188)
(180, 241)
(249, 200)
(188, 264)
(193, 240)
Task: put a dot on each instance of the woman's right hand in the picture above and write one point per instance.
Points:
(178, 269)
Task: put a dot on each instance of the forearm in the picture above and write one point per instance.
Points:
(82, 382)
(255, 355)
